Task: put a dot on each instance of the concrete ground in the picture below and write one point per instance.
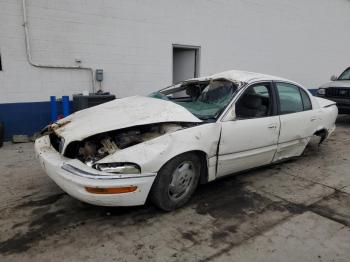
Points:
(294, 211)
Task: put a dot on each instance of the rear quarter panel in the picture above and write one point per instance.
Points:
(328, 116)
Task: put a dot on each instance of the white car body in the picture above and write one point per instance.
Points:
(228, 145)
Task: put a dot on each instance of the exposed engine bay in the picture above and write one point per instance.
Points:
(96, 147)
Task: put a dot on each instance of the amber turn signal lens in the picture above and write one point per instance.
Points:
(111, 190)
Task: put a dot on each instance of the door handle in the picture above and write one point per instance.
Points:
(272, 126)
(314, 118)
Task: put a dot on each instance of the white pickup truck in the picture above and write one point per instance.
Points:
(338, 90)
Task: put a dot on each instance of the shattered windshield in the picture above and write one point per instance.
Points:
(205, 99)
(345, 75)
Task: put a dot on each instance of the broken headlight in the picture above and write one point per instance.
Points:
(118, 168)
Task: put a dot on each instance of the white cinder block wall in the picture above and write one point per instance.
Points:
(131, 40)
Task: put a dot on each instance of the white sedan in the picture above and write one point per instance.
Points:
(162, 146)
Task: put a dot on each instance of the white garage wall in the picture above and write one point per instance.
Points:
(131, 40)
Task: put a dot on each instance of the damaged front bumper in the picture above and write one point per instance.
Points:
(77, 179)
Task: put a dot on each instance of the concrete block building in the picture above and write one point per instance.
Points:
(53, 47)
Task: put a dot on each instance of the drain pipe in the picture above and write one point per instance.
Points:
(29, 55)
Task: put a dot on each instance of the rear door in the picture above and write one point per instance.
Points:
(297, 117)
(251, 139)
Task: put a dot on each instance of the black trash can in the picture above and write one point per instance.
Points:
(2, 132)
(82, 102)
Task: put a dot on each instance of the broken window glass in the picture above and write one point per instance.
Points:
(204, 99)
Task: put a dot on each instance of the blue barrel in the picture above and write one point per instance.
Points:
(53, 107)
(65, 105)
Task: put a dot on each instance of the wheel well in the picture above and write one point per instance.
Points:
(204, 164)
(322, 133)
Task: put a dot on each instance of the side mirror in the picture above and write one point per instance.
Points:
(334, 78)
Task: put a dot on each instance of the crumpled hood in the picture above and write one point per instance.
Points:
(339, 83)
(118, 114)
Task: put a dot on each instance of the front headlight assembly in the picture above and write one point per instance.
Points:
(118, 168)
(321, 91)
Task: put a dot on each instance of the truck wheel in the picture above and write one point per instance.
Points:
(176, 182)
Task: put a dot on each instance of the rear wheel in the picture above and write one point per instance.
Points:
(176, 182)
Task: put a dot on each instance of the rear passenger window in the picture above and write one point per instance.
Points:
(306, 100)
(290, 98)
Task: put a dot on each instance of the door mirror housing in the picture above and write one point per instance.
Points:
(334, 78)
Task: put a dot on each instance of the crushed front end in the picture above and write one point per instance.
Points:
(78, 167)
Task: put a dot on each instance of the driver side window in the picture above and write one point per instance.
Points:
(255, 102)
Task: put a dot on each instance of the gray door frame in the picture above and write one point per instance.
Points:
(197, 59)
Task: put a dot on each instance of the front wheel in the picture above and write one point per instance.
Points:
(176, 182)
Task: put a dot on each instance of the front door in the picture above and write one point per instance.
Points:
(251, 139)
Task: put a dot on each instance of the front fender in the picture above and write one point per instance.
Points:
(153, 154)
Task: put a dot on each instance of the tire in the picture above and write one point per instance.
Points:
(176, 182)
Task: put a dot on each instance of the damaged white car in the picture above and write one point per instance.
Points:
(162, 146)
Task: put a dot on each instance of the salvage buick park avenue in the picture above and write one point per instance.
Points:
(162, 146)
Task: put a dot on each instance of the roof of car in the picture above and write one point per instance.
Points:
(240, 77)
